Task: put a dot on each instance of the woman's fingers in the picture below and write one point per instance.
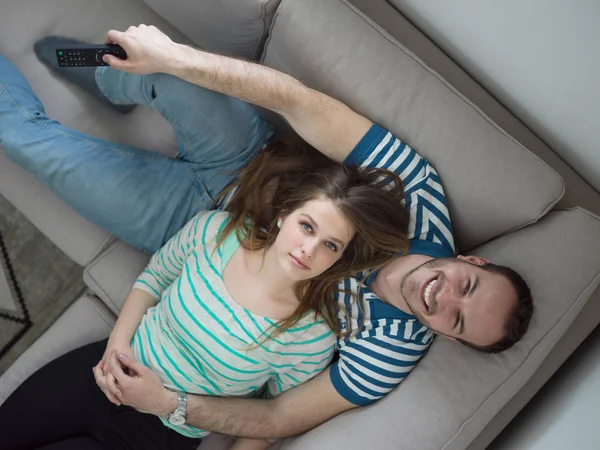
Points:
(102, 384)
(111, 385)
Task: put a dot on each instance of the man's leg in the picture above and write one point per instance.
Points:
(217, 135)
(142, 197)
(138, 195)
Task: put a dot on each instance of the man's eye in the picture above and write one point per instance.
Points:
(306, 226)
(331, 246)
(467, 287)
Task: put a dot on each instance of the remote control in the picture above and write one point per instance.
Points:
(87, 55)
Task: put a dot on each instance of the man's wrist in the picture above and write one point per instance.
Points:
(167, 403)
(180, 60)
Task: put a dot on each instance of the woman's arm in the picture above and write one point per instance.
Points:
(250, 444)
(135, 306)
(162, 270)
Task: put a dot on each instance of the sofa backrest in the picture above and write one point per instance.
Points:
(577, 191)
(493, 184)
(230, 27)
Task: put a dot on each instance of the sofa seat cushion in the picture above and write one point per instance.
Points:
(86, 321)
(455, 391)
(493, 184)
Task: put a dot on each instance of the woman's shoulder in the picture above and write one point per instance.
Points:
(209, 224)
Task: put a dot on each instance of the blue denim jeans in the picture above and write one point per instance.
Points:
(140, 196)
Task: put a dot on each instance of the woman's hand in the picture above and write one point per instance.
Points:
(148, 49)
(143, 391)
(105, 380)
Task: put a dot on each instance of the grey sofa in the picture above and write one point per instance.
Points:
(512, 199)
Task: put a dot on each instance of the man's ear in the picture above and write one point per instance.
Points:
(478, 260)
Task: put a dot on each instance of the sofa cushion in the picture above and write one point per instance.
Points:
(230, 27)
(577, 191)
(86, 321)
(455, 391)
(493, 184)
(112, 274)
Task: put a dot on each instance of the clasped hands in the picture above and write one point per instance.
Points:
(125, 381)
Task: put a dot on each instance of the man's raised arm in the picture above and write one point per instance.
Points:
(295, 411)
(325, 123)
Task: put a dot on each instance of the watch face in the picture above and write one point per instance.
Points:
(176, 419)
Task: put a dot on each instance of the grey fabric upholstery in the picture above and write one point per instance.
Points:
(231, 27)
(578, 191)
(113, 273)
(485, 171)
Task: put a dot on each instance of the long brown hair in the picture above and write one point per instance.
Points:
(283, 178)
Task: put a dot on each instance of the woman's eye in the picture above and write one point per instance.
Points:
(331, 246)
(306, 226)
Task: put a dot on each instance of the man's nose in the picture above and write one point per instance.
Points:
(449, 296)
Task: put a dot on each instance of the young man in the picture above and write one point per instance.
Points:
(426, 292)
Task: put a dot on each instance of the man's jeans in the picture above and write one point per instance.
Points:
(142, 197)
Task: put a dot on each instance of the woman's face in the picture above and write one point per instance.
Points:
(312, 238)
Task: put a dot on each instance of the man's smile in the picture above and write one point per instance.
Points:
(427, 294)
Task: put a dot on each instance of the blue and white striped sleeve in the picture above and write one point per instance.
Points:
(370, 367)
(430, 230)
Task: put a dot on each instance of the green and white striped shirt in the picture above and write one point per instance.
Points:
(199, 340)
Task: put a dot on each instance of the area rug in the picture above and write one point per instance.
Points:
(37, 283)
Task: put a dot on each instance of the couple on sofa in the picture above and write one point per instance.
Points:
(303, 254)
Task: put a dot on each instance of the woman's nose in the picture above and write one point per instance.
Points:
(309, 248)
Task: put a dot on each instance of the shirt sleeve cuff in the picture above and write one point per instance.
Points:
(342, 389)
(365, 146)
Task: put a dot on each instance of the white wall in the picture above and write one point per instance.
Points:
(540, 58)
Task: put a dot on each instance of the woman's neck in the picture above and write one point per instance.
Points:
(263, 265)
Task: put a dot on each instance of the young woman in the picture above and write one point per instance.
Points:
(238, 302)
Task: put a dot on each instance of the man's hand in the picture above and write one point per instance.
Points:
(140, 388)
(148, 49)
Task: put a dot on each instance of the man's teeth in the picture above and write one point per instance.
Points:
(428, 291)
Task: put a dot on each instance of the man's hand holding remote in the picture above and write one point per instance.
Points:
(148, 49)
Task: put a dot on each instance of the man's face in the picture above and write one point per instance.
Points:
(457, 298)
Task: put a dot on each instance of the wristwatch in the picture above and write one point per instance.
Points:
(178, 416)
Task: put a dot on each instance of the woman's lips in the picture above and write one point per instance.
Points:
(298, 263)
